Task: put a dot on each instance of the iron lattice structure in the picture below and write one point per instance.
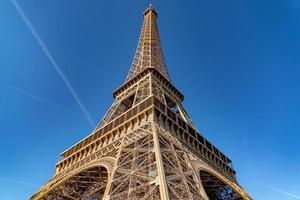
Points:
(146, 147)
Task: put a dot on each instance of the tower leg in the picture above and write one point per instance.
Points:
(164, 194)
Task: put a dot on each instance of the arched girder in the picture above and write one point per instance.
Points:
(64, 185)
(216, 189)
(87, 184)
(200, 165)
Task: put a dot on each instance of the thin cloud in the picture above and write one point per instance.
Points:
(29, 94)
(18, 182)
(248, 154)
(52, 61)
(104, 72)
(276, 155)
(282, 192)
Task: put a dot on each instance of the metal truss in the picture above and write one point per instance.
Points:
(146, 147)
(131, 97)
(162, 92)
(136, 172)
(180, 175)
(149, 52)
(116, 108)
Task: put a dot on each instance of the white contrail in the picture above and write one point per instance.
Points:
(29, 94)
(282, 192)
(272, 188)
(18, 182)
(276, 155)
(52, 61)
(104, 72)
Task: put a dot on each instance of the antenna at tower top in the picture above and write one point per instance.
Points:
(150, 8)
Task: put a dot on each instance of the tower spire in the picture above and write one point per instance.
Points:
(149, 52)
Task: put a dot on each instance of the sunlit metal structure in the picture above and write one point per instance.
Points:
(146, 147)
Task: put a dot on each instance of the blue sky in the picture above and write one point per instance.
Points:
(236, 61)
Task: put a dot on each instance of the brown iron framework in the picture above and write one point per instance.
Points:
(146, 147)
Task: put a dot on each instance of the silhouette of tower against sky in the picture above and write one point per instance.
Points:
(146, 147)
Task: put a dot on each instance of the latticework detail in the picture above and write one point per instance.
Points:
(162, 92)
(117, 108)
(143, 90)
(180, 175)
(149, 52)
(146, 147)
(135, 176)
(157, 91)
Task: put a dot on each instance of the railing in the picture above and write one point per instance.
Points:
(116, 122)
(187, 133)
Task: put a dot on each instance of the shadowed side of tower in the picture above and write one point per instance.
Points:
(146, 146)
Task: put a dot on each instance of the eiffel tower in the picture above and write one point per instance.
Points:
(146, 147)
